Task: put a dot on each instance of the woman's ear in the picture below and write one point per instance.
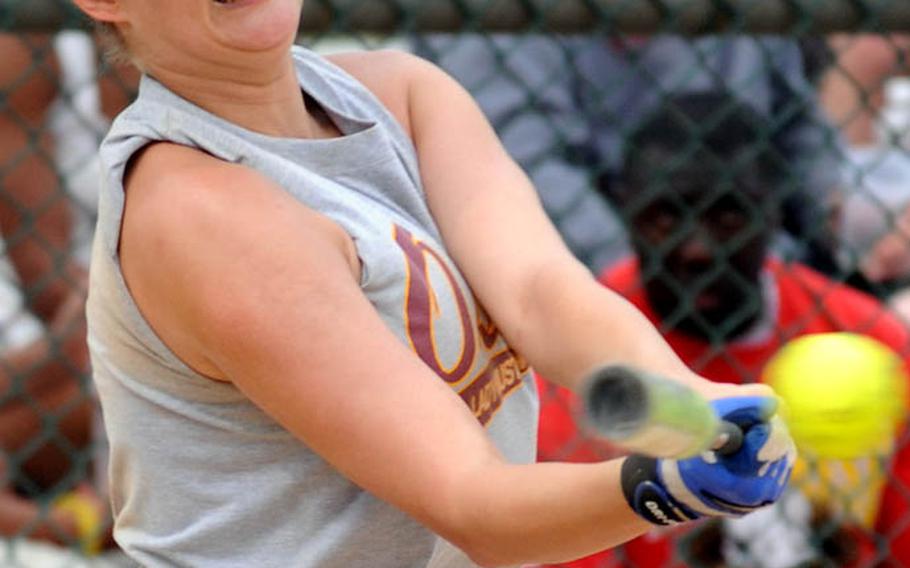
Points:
(109, 11)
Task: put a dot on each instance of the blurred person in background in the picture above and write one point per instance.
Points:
(562, 106)
(50, 126)
(866, 92)
(853, 87)
(45, 377)
(700, 191)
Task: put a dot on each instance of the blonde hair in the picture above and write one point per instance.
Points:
(115, 48)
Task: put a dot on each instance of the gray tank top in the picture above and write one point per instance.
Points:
(202, 477)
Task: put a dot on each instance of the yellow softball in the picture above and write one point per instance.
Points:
(843, 394)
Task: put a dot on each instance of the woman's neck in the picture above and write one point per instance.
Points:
(270, 104)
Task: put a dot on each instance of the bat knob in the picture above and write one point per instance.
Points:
(730, 439)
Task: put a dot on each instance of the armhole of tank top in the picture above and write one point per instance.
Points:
(158, 343)
(127, 170)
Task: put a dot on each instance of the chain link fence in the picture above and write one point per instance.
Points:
(621, 112)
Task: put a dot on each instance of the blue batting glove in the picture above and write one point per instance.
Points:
(667, 492)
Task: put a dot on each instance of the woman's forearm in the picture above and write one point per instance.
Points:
(514, 514)
(574, 324)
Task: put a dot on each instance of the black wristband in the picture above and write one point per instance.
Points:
(646, 496)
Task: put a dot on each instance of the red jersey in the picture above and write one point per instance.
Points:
(807, 302)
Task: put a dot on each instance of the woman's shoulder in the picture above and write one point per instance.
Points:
(169, 160)
(382, 66)
(392, 76)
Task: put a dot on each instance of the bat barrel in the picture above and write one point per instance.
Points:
(616, 402)
(645, 413)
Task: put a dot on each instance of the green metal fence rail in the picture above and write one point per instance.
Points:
(563, 16)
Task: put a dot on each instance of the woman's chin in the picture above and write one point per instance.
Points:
(257, 25)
